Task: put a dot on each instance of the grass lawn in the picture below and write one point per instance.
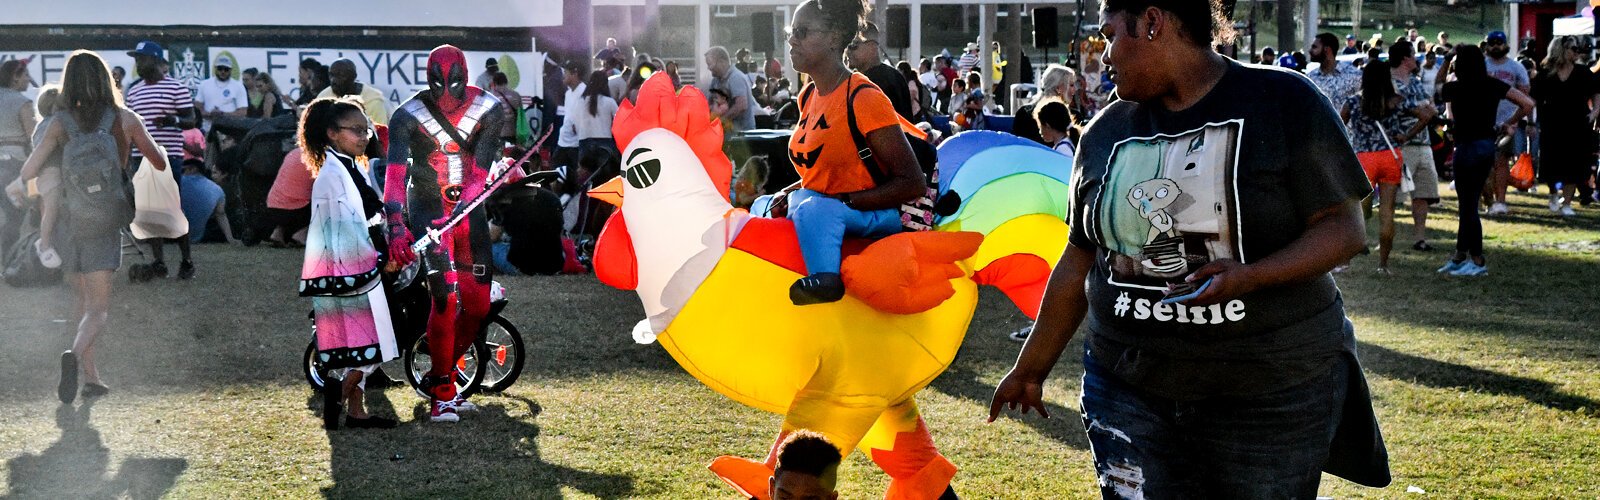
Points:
(1486, 387)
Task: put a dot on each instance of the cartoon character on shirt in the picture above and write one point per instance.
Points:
(1163, 247)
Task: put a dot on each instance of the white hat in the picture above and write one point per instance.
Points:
(224, 60)
(971, 46)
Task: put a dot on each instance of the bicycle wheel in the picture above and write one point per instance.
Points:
(503, 350)
(313, 367)
(468, 373)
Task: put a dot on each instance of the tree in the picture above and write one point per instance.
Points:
(1288, 35)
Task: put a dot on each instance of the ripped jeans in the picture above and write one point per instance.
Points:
(1269, 446)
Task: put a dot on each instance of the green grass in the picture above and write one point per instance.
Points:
(1485, 388)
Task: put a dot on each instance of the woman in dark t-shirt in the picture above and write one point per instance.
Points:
(1471, 101)
(1205, 219)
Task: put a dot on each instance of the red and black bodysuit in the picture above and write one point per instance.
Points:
(441, 144)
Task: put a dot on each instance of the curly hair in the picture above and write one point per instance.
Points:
(318, 118)
(808, 452)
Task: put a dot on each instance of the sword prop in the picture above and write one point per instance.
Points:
(462, 210)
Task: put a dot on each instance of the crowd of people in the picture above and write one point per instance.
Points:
(366, 181)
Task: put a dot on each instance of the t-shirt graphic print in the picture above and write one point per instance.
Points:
(1169, 207)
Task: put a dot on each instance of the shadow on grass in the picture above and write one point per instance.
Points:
(491, 453)
(1063, 424)
(1438, 374)
(1532, 298)
(76, 465)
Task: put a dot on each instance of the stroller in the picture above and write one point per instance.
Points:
(492, 363)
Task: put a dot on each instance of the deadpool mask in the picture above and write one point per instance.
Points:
(447, 76)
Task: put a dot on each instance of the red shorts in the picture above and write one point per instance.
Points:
(1383, 167)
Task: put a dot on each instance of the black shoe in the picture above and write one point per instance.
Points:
(380, 380)
(68, 390)
(819, 288)
(185, 270)
(371, 422)
(332, 392)
(158, 270)
(1422, 246)
(95, 390)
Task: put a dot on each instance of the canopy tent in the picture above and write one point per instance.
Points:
(1574, 26)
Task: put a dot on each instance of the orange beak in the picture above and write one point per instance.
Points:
(610, 192)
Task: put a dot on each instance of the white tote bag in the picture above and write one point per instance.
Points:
(158, 210)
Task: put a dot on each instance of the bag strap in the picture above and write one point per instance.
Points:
(1386, 141)
(863, 148)
(444, 123)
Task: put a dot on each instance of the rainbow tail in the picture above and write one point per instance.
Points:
(1016, 193)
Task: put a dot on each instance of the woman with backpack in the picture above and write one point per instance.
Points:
(94, 134)
(837, 195)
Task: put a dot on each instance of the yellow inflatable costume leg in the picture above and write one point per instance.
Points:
(900, 444)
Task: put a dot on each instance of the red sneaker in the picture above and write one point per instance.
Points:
(444, 411)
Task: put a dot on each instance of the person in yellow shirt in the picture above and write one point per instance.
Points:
(999, 72)
(342, 76)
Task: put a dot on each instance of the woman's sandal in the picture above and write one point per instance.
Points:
(47, 256)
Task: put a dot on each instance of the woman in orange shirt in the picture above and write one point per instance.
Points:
(837, 196)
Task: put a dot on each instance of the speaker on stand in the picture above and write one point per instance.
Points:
(898, 29)
(762, 33)
(1044, 30)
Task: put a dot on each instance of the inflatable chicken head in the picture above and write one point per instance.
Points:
(671, 226)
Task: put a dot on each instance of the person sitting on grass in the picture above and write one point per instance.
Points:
(808, 468)
(202, 201)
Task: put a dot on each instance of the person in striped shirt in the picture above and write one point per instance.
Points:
(167, 109)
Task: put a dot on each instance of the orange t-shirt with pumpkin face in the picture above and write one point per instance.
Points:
(821, 148)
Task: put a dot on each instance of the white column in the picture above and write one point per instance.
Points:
(1512, 28)
(914, 53)
(785, 14)
(702, 41)
(986, 22)
(1312, 19)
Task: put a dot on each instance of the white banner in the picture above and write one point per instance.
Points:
(398, 73)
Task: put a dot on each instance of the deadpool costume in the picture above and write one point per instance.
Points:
(441, 144)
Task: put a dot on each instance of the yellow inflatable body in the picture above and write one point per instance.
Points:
(715, 282)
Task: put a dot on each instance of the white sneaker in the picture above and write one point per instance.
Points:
(1499, 209)
(1470, 268)
(1555, 203)
(1021, 335)
(47, 256)
(1567, 211)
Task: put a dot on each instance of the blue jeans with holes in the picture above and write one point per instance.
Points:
(1269, 446)
(822, 223)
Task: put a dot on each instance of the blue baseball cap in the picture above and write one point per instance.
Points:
(149, 48)
(1496, 36)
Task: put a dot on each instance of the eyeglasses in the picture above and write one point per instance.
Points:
(801, 32)
(358, 129)
(858, 43)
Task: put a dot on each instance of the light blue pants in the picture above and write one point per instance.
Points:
(822, 223)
